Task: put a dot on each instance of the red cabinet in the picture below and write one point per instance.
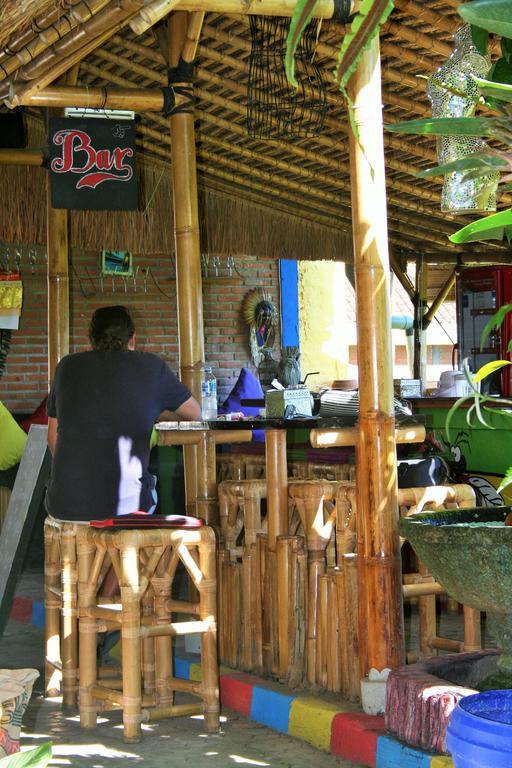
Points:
(481, 291)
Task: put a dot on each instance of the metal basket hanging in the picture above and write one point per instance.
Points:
(274, 108)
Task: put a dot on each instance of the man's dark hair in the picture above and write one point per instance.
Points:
(111, 329)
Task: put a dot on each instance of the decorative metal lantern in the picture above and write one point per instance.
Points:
(454, 93)
(274, 108)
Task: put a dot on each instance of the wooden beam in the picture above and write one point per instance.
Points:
(381, 629)
(21, 157)
(136, 99)
(439, 299)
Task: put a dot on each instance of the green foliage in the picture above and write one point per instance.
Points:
(494, 323)
(371, 14)
(491, 15)
(39, 757)
(488, 369)
(507, 480)
(496, 127)
(479, 161)
(302, 15)
(493, 227)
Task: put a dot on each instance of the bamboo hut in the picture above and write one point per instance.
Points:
(209, 185)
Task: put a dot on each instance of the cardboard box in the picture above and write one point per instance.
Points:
(277, 401)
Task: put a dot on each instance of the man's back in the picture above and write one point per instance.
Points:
(106, 404)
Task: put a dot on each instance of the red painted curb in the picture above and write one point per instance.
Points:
(354, 736)
(236, 691)
(22, 609)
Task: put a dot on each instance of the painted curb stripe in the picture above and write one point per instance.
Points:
(350, 735)
(394, 754)
(311, 720)
(271, 708)
(354, 736)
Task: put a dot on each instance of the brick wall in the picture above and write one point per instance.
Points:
(24, 383)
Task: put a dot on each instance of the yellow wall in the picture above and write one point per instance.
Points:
(322, 321)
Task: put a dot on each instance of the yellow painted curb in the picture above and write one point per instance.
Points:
(311, 720)
(441, 762)
(195, 672)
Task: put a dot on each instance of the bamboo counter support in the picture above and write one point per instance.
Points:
(205, 442)
(349, 436)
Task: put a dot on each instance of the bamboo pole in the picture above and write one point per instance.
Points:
(349, 436)
(420, 300)
(440, 298)
(137, 99)
(57, 223)
(158, 9)
(186, 228)
(381, 631)
(21, 157)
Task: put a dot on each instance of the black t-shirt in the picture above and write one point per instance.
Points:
(106, 404)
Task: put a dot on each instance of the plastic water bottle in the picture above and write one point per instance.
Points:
(208, 394)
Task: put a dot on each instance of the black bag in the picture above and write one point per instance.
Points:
(420, 474)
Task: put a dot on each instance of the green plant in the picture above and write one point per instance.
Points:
(496, 94)
(371, 14)
(39, 757)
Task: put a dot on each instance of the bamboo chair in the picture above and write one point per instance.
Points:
(145, 562)
(313, 501)
(422, 584)
(60, 601)
(241, 513)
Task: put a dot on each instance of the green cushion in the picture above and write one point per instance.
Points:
(12, 439)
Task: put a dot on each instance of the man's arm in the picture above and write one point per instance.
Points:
(53, 425)
(190, 410)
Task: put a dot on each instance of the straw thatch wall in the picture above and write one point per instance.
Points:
(228, 223)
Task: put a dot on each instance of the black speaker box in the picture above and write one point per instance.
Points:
(12, 130)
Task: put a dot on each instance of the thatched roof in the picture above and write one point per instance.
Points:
(291, 196)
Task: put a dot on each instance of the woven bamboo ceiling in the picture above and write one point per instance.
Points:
(303, 179)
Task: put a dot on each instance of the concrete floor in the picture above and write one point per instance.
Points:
(178, 743)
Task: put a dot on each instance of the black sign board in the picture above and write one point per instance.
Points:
(92, 164)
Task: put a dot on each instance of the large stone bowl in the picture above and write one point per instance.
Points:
(469, 551)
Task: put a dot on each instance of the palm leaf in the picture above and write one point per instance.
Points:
(371, 14)
(452, 126)
(30, 758)
(488, 369)
(492, 15)
(302, 15)
(494, 323)
(507, 480)
(477, 162)
(494, 227)
(455, 407)
(499, 91)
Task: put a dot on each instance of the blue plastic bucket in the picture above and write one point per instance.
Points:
(479, 733)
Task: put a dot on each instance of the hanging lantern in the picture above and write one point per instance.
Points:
(454, 93)
(274, 107)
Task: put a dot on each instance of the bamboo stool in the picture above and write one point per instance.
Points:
(60, 600)
(145, 562)
(240, 507)
(422, 584)
(309, 498)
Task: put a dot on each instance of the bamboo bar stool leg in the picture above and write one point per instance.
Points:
(472, 629)
(69, 643)
(131, 643)
(148, 647)
(52, 606)
(88, 629)
(208, 612)
(163, 643)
